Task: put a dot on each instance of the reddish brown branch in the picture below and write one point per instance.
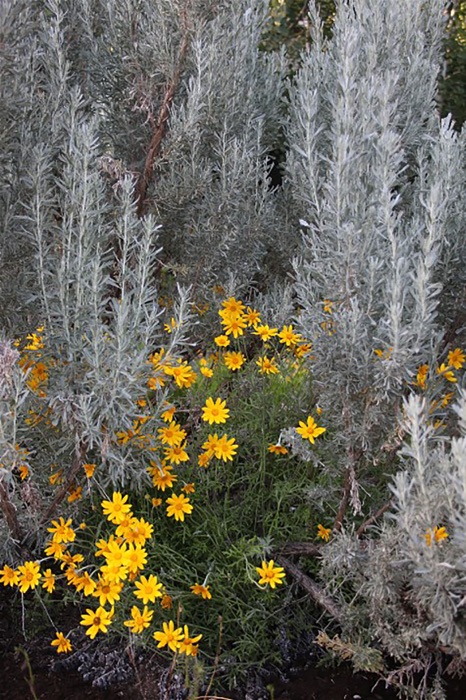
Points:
(9, 511)
(161, 123)
(343, 501)
(367, 523)
(312, 588)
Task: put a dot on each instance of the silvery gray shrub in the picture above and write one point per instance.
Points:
(366, 230)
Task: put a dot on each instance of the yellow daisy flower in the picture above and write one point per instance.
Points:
(215, 411)
(97, 621)
(269, 574)
(178, 506)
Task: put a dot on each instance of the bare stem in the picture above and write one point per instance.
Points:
(9, 511)
(367, 523)
(313, 588)
(161, 122)
(216, 660)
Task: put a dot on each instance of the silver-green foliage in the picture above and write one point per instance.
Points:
(377, 180)
(89, 263)
(375, 177)
(409, 586)
(200, 59)
(378, 183)
(86, 91)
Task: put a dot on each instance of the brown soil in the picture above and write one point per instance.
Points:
(342, 684)
(47, 685)
(315, 684)
(35, 674)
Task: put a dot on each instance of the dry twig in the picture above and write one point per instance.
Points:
(311, 587)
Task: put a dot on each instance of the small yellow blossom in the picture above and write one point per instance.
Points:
(102, 546)
(178, 506)
(117, 554)
(136, 558)
(8, 576)
(234, 325)
(270, 574)
(62, 644)
(107, 591)
(421, 376)
(267, 365)
(137, 531)
(265, 333)
(328, 306)
(162, 477)
(62, 531)
(167, 602)
(456, 358)
(155, 382)
(204, 459)
(215, 411)
(56, 477)
(437, 534)
(148, 589)
(172, 434)
(68, 559)
(28, 575)
(48, 581)
(323, 532)
(302, 350)
(85, 583)
(176, 454)
(383, 354)
(206, 371)
(35, 340)
(55, 550)
(446, 372)
(170, 636)
(89, 470)
(139, 620)
(277, 449)
(117, 508)
(288, 337)
(222, 341)
(231, 306)
(170, 326)
(182, 373)
(201, 590)
(167, 414)
(97, 621)
(252, 317)
(309, 430)
(226, 448)
(188, 645)
(234, 360)
(23, 471)
(447, 398)
(75, 494)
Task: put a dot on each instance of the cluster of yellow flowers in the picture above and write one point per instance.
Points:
(124, 558)
(123, 553)
(236, 318)
(170, 443)
(455, 361)
(437, 534)
(32, 364)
